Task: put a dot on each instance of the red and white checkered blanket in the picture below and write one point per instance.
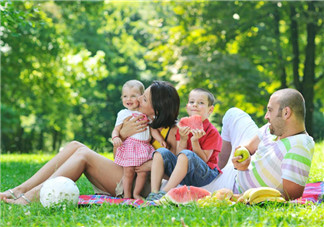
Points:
(314, 192)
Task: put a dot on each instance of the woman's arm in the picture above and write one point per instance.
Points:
(171, 140)
(145, 167)
(132, 125)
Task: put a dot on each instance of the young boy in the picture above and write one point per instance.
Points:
(197, 151)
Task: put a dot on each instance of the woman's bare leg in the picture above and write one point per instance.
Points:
(100, 171)
(139, 184)
(129, 173)
(46, 171)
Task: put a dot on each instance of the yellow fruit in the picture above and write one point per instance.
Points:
(246, 195)
(243, 152)
(263, 191)
(223, 193)
(267, 198)
(241, 200)
(235, 197)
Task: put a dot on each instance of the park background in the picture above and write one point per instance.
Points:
(63, 63)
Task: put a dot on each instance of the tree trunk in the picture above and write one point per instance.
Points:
(309, 70)
(40, 145)
(281, 66)
(55, 138)
(295, 47)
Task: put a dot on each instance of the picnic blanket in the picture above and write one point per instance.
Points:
(100, 199)
(314, 192)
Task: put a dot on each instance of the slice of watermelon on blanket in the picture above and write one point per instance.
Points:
(194, 122)
(184, 195)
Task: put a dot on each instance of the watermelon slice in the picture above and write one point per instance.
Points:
(194, 122)
(185, 195)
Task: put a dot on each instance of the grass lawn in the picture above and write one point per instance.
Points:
(17, 168)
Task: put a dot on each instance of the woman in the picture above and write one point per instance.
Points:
(160, 102)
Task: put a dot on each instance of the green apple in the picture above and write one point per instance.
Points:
(243, 152)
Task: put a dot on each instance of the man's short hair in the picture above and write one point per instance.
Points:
(293, 99)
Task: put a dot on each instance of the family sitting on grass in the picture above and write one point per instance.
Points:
(281, 150)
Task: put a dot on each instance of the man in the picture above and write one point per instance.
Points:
(281, 150)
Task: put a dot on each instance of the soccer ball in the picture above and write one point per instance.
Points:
(59, 190)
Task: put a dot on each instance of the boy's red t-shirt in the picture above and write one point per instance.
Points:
(210, 141)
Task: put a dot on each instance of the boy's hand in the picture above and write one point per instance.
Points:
(197, 134)
(117, 142)
(184, 132)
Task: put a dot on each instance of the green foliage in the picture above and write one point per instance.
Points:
(63, 62)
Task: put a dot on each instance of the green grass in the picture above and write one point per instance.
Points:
(17, 168)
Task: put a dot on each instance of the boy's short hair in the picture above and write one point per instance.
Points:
(210, 96)
(135, 83)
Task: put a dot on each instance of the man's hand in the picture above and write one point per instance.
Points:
(242, 166)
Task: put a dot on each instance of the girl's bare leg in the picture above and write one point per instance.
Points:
(129, 173)
(100, 171)
(139, 184)
(45, 172)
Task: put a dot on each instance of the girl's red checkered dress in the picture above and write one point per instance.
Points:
(136, 149)
(134, 152)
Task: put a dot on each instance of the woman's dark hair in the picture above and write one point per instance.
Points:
(166, 103)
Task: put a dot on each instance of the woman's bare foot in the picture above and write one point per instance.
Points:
(21, 200)
(10, 194)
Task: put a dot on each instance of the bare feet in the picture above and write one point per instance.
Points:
(10, 194)
(21, 200)
(138, 197)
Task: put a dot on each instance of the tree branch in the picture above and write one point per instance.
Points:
(319, 78)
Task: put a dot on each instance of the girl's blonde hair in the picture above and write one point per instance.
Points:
(135, 83)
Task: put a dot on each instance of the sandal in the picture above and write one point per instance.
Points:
(12, 194)
(22, 195)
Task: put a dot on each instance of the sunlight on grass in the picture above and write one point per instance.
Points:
(16, 168)
(36, 158)
(317, 167)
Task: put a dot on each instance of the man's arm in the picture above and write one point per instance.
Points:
(292, 190)
(225, 153)
(252, 146)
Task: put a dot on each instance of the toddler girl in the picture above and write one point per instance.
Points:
(135, 150)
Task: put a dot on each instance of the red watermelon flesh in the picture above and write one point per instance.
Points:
(198, 193)
(184, 194)
(194, 122)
